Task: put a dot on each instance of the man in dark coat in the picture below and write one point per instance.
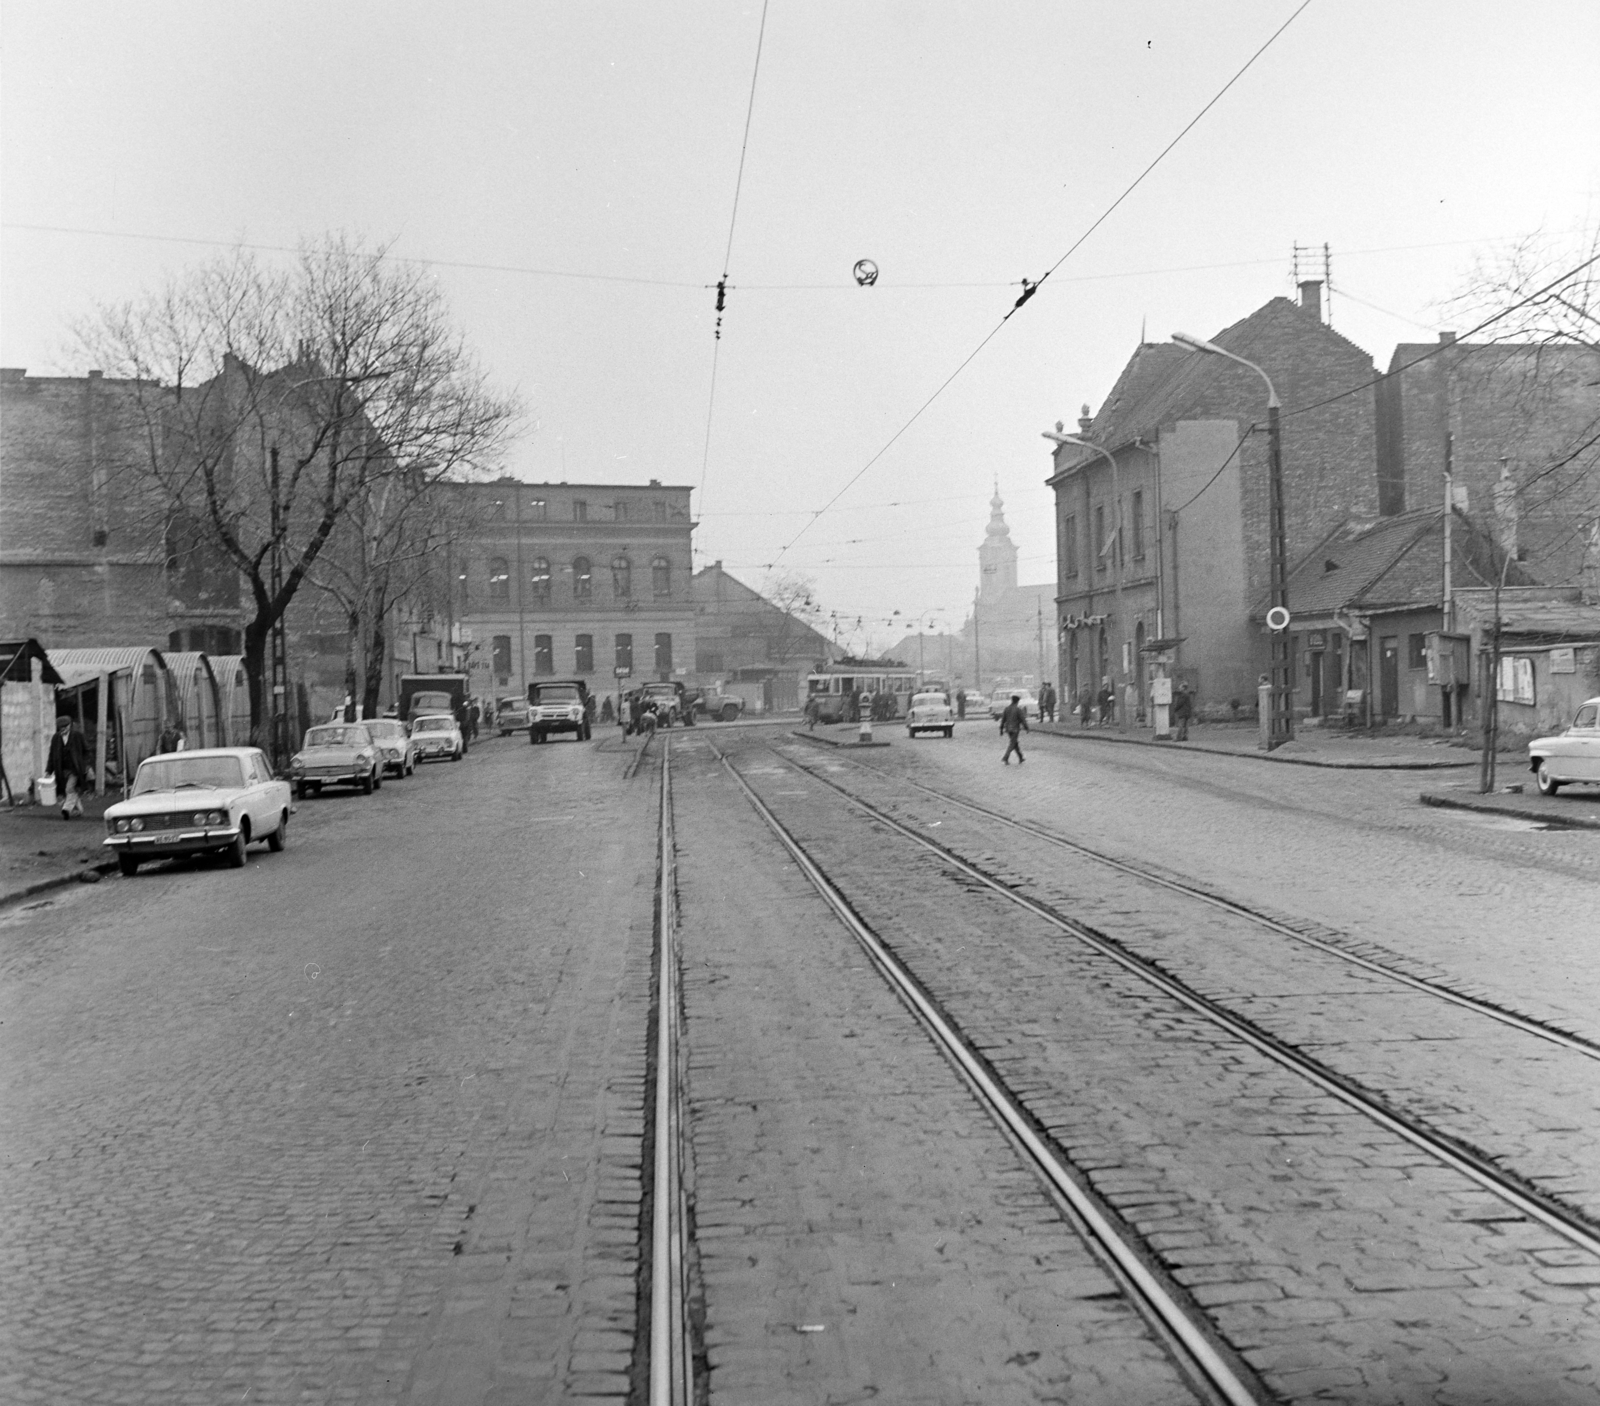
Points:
(1013, 722)
(1182, 711)
(69, 764)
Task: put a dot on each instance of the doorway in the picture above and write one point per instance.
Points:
(1389, 676)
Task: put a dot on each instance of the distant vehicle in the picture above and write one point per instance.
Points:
(1000, 700)
(336, 754)
(558, 705)
(438, 735)
(433, 693)
(671, 703)
(211, 800)
(831, 685)
(512, 715)
(930, 712)
(714, 703)
(1570, 756)
(393, 741)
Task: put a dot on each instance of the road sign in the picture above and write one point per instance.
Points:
(1277, 618)
(623, 671)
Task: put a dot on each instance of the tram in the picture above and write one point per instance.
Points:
(885, 686)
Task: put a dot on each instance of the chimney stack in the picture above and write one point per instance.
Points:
(1085, 422)
(1446, 338)
(1311, 297)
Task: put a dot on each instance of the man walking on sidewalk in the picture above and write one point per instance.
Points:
(69, 762)
(1012, 722)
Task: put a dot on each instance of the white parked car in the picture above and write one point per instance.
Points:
(1573, 755)
(394, 745)
(337, 754)
(437, 735)
(212, 800)
(930, 712)
(1001, 700)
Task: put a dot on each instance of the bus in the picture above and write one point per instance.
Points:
(887, 681)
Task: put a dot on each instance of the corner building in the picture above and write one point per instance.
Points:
(560, 580)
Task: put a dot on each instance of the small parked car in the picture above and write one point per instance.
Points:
(437, 735)
(210, 800)
(512, 715)
(558, 705)
(1000, 700)
(336, 754)
(394, 745)
(1570, 756)
(930, 712)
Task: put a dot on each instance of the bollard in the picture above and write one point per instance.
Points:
(865, 735)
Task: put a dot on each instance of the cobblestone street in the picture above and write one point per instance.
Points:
(369, 1120)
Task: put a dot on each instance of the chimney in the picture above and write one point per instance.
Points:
(1085, 421)
(1447, 339)
(1311, 297)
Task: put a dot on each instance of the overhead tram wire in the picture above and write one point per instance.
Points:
(1029, 289)
(727, 255)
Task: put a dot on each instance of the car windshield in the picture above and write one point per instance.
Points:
(386, 729)
(433, 725)
(351, 735)
(929, 700)
(506, 704)
(558, 693)
(181, 773)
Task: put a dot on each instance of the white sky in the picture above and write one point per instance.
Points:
(953, 144)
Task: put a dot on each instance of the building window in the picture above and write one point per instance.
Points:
(539, 578)
(664, 655)
(497, 510)
(1069, 546)
(580, 510)
(625, 652)
(621, 577)
(538, 509)
(619, 510)
(661, 576)
(544, 655)
(661, 510)
(707, 663)
(582, 578)
(1419, 651)
(1138, 524)
(499, 579)
(502, 657)
(583, 656)
(1100, 543)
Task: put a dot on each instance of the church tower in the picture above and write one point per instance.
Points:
(997, 557)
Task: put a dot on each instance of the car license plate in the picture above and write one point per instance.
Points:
(166, 837)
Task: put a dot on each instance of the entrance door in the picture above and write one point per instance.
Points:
(1314, 668)
(1389, 676)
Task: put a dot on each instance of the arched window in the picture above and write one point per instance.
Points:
(539, 578)
(661, 576)
(582, 577)
(499, 579)
(621, 577)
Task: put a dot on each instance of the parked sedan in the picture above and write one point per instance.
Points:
(512, 715)
(1001, 700)
(211, 800)
(437, 735)
(1573, 755)
(336, 754)
(930, 712)
(394, 744)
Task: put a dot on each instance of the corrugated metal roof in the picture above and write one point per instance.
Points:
(16, 662)
(184, 665)
(76, 665)
(228, 670)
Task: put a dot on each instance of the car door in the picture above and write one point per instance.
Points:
(1580, 747)
(257, 797)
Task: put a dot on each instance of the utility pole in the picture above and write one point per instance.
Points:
(977, 646)
(279, 718)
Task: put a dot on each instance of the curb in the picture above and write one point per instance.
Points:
(829, 742)
(1484, 805)
(60, 881)
(1097, 736)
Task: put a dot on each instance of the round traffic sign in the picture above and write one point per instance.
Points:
(1277, 618)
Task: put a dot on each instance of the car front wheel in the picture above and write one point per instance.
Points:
(279, 837)
(128, 864)
(950, 732)
(1548, 785)
(366, 784)
(236, 849)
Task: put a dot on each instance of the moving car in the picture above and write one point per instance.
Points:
(512, 715)
(336, 754)
(930, 712)
(211, 800)
(559, 705)
(394, 745)
(437, 735)
(1573, 755)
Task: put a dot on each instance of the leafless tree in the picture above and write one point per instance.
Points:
(284, 402)
(794, 633)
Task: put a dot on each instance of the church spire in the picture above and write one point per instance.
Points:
(997, 557)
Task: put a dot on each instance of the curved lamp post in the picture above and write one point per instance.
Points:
(1116, 530)
(1280, 724)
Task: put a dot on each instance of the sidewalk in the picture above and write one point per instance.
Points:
(1311, 746)
(1575, 809)
(40, 851)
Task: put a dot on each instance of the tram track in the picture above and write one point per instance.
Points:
(1566, 1220)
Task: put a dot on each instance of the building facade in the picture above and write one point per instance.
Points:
(761, 651)
(1174, 543)
(589, 581)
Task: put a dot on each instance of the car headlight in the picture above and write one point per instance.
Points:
(123, 827)
(136, 824)
(363, 756)
(295, 763)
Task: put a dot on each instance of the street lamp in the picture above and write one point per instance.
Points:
(1116, 526)
(1280, 723)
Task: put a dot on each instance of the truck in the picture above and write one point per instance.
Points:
(433, 693)
(712, 702)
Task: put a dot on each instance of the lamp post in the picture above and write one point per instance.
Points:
(1116, 529)
(1280, 724)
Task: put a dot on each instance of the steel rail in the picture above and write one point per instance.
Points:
(1526, 1024)
(1204, 1360)
(1549, 1212)
(671, 1357)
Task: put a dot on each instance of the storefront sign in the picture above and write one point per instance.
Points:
(1563, 661)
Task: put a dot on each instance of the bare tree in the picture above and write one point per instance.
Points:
(283, 402)
(794, 634)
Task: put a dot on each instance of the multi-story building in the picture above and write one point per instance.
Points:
(1190, 492)
(582, 580)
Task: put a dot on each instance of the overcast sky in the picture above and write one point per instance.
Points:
(583, 158)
